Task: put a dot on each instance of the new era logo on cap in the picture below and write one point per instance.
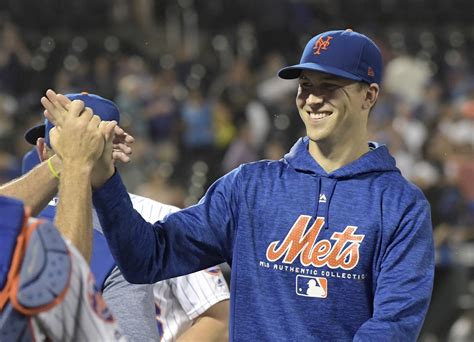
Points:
(342, 53)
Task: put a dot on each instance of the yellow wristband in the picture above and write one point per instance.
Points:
(51, 168)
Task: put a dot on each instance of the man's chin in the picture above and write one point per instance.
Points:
(315, 137)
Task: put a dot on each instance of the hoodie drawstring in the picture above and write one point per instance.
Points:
(325, 189)
(318, 195)
(332, 186)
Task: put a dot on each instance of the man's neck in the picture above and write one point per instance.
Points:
(334, 156)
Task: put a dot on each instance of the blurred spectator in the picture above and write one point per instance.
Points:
(224, 128)
(406, 77)
(413, 131)
(241, 150)
(161, 110)
(15, 59)
(196, 115)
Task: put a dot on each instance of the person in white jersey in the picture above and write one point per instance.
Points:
(194, 307)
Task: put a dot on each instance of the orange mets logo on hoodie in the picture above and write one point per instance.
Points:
(342, 253)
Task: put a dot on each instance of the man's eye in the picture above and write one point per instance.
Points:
(329, 86)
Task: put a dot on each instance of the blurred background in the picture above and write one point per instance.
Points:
(196, 85)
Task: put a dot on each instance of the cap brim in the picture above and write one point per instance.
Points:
(294, 71)
(34, 133)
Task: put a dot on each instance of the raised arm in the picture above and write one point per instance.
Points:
(79, 142)
(36, 188)
(191, 241)
(186, 241)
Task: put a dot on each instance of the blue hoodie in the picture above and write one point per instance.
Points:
(315, 256)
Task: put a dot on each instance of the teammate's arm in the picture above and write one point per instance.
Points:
(212, 325)
(193, 238)
(145, 261)
(36, 188)
(79, 144)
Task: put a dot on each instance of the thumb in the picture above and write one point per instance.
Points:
(107, 128)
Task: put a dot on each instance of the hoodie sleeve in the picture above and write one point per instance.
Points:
(405, 280)
(184, 242)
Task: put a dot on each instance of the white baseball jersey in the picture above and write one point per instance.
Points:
(179, 301)
(76, 311)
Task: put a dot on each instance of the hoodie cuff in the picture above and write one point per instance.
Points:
(110, 194)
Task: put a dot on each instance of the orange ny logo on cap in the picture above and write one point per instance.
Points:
(321, 44)
(370, 72)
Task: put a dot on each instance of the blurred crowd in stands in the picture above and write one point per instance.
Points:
(196, 85)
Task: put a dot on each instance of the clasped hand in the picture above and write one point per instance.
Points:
(81, 138)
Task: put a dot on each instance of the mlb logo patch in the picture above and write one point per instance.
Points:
(316, 287)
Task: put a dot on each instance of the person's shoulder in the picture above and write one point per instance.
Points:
(148, 207)
(397, 186)
(263, 166)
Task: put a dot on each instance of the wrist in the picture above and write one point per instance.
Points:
(55, 166)
(100, 178)
(76, 168)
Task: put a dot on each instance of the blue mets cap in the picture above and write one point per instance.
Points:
(343, 53)
(105, 109)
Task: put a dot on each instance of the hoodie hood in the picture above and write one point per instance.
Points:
(377, 159)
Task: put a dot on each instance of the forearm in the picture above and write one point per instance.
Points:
(36, 188)
(74, 212)
(120, 223)
(147, 260)
(212, 325)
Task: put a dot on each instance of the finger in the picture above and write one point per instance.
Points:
(76, 108)
(119, 130)
(123, 148)
(87, 114)
(120, 156)
(51, 95)
(95, 121)
(47, 114)
(110, 129)
(123, 138)
(63, 100)
(107, 128)
(53, 98)
(51, 113)
(129, 139)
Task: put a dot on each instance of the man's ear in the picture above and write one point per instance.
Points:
(371, 96)
(41, 149)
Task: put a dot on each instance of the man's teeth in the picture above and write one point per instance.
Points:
(318, 115)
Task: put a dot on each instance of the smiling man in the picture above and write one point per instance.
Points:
(328, 243)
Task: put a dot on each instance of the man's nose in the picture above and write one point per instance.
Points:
(315, 98)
